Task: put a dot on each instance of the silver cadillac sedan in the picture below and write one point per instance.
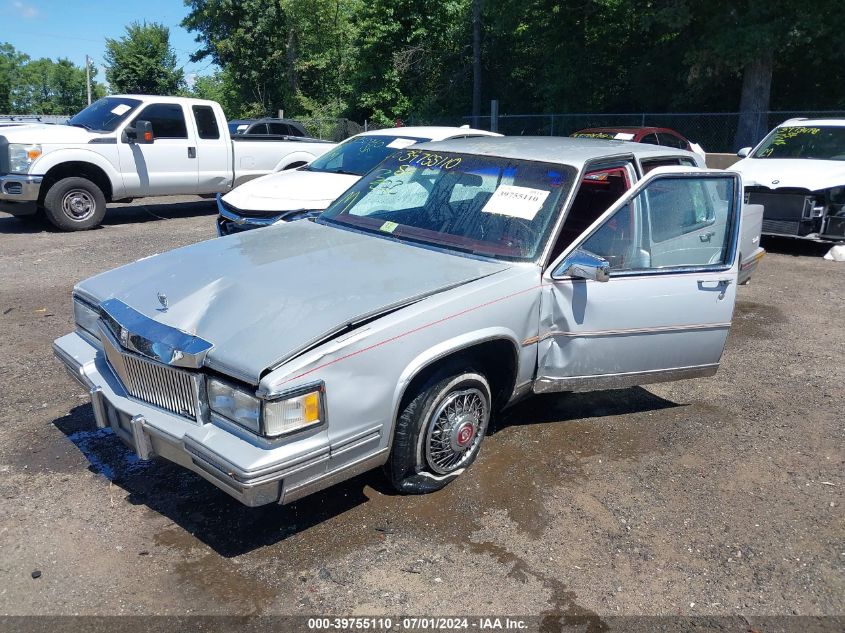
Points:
(450, 281)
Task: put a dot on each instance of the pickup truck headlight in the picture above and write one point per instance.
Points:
(267, 418)
(86, 316)
(22, 156)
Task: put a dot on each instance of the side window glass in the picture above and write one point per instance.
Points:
(167, 119)
(648, 165)
(278, 128)
(673, 222)
(206, 122)
(258, 128)
(651, 139)
(616, 240)
(678, 207)
(670, 140)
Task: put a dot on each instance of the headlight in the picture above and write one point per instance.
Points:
(86, 316)
(292, 414)
(270, 419)
(234, 404)
(22, 156)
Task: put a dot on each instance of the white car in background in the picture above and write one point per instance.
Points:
(798, 174)
(308, 190)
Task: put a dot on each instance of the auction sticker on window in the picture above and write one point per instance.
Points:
(121, 109)
(517, 202)
(401, 143)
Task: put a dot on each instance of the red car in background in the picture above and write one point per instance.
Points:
(652, 135)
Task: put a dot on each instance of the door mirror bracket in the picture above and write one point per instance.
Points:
(583, 265)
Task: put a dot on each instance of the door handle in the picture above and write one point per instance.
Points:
(705, 237)
(715, 284)
(192, 152)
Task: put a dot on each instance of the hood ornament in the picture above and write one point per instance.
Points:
(162, 299)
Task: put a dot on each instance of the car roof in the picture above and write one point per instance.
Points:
(803, 122)
(268, 119)
(628, 128)
(163, 99)
(433, 132)
(554, 149)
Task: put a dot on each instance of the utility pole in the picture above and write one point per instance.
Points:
(476, 63)
(88, 77)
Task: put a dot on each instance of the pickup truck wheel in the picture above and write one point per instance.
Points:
(439, 432)
(75, 204)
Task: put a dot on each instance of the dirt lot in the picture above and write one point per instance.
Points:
(720, 496)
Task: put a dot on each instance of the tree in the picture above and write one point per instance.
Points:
(11, 62)
(295, 55)
(747, 39)
(42, 86)
(143, 62)
(248, 39)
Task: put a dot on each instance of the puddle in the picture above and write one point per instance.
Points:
(755, 320)
(214, 577)
(564, 611)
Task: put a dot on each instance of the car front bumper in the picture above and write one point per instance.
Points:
(19, 193)
(252, 470)
(229, 222)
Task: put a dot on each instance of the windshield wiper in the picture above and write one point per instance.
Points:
(333, 171)
(82, 125)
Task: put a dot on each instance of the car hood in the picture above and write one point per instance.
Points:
(44, 133)
(780, 173)
(260, 297)
(290, 191)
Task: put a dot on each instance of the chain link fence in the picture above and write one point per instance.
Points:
(714, 131)
(331, 129)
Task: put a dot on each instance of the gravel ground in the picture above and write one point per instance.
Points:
(719, 496)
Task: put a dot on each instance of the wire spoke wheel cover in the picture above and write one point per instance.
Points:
(78, 204)
(455, 430)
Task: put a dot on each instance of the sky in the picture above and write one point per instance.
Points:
(74, 28)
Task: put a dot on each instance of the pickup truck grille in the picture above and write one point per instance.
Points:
(171, 389)
(781, 227)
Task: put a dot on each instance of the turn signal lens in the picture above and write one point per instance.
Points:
(292, 414)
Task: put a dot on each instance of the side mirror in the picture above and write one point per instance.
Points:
(141, 133)
(583, 265)
(745, 151)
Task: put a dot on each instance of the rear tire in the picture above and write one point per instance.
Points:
(75, 204)
(439, 431)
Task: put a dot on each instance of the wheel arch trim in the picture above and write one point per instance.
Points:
(443, 350)
(294, 157)
(57, 160)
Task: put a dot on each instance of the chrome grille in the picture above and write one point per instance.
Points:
(165, 387)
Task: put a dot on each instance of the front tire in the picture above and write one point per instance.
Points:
(75, 204)
(439, 431)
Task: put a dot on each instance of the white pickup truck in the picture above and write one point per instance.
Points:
(132, 146)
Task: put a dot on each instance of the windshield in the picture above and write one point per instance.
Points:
(483, 205)
(359, 154)
(105, 115)
(812, 141)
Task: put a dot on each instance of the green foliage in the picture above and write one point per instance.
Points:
(143, 62)
(42, 86)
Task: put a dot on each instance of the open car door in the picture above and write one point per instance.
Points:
(646, 293)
